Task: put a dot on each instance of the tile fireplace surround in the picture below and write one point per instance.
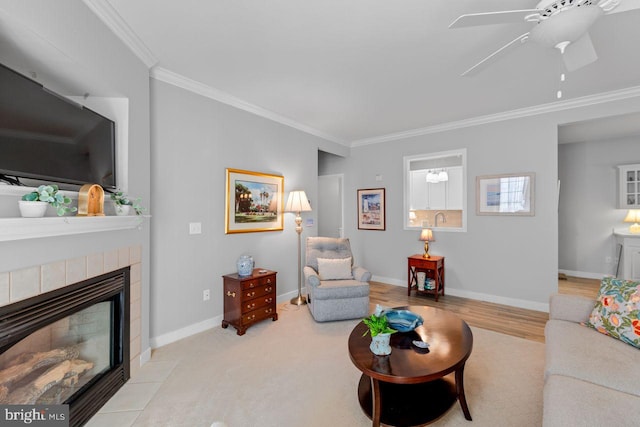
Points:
(29, 282)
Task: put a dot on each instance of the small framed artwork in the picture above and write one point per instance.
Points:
(254, 202)
(371, 209)
(506, 194)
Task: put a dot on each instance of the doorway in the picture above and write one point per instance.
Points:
(331, 205)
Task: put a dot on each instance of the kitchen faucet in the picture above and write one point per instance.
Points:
(444, 218)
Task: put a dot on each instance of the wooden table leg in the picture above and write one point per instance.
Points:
(460, 392)
(375, 397)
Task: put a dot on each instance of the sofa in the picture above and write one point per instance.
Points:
(336, 288)
(591, 379)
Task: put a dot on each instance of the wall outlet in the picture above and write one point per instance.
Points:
(195, 228)
(206, 295)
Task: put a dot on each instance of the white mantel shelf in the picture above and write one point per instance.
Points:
(34, 228)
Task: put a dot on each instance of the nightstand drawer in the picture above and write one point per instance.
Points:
(256, 315)
(257, 282)
(257, 303)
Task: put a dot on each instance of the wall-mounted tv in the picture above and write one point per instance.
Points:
(45, 137)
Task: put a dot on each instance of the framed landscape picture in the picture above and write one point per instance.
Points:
(506, 194)
(371, 209)
(254, 202)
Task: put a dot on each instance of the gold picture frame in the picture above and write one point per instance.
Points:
(254, 202)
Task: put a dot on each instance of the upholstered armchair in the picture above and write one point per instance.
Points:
(336, 290)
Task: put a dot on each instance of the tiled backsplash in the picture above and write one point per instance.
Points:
(29, 282)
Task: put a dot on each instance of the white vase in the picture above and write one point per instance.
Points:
(380, 344)
(32, 209)
(123, 209)
(420, 277)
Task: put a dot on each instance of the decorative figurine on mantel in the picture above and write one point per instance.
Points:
(91, 200)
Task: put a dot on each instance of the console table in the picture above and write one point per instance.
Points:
(249, 299)
(434, 269)
(629, 262)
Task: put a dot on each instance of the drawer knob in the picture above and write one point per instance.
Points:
(268, 289)
(251, 305)
(251, 285)
(268, 300)
(268, 280)
(231, 294)
(250, 294)
(268, 310)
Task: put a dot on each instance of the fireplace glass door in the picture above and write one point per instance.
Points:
(54, 362)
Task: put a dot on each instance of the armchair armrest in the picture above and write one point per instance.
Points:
(311, 276)
(573, 308)
(361, 274)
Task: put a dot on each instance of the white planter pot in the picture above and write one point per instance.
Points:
(123, 209)
(32, 209)
(380, 344)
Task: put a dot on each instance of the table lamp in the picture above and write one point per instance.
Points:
(297, 203)
(633, 216)
(426, 236)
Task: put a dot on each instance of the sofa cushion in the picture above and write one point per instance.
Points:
(572, 402)
(338, 289)
(575, 351)
(616, 310)
(334, 269)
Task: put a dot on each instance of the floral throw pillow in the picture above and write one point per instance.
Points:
(616, 310)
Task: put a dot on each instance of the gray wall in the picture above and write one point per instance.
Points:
(588, 199)
(76, 36)
(506, 259)
(195, 139)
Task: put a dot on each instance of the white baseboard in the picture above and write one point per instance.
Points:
(185, 332)
(584, 274)
(513, 302)
(145, 356)
(196, 328)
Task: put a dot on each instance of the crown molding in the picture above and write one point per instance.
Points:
(170, 77)
(113, 20)
(551, 107)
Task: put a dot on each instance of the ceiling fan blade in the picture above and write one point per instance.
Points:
(579, 53)
(625, 6)
(500, 52)
(489, 18)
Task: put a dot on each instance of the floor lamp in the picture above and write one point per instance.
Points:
(297, 203)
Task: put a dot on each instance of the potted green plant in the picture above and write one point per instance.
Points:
(124, 203)
(378, 327)
(34, 204)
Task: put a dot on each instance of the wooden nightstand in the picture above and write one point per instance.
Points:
(434, 269)
(249, 299)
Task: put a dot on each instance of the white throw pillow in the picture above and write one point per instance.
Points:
(334, 269)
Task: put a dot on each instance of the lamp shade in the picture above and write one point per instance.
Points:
(297, 202)
(633, 216)
(427, 235)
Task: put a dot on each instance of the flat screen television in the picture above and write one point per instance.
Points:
(47, 138)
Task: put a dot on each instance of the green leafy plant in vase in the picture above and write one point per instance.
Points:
(378, 327)
(35, 203)
(124, 203)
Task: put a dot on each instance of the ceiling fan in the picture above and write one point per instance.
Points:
(562, 24)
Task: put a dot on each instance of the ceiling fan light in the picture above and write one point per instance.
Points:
(565, 27)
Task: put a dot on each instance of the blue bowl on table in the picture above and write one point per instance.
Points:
(403, 320)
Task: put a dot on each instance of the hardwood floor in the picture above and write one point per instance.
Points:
(519, 322)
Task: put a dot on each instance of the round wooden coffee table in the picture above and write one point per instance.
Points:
(411, 386)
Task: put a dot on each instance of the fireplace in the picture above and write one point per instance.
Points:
(68, 346)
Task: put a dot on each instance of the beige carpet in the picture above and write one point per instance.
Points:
(295, 372)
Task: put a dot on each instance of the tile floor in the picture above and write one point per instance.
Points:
(123, 408)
